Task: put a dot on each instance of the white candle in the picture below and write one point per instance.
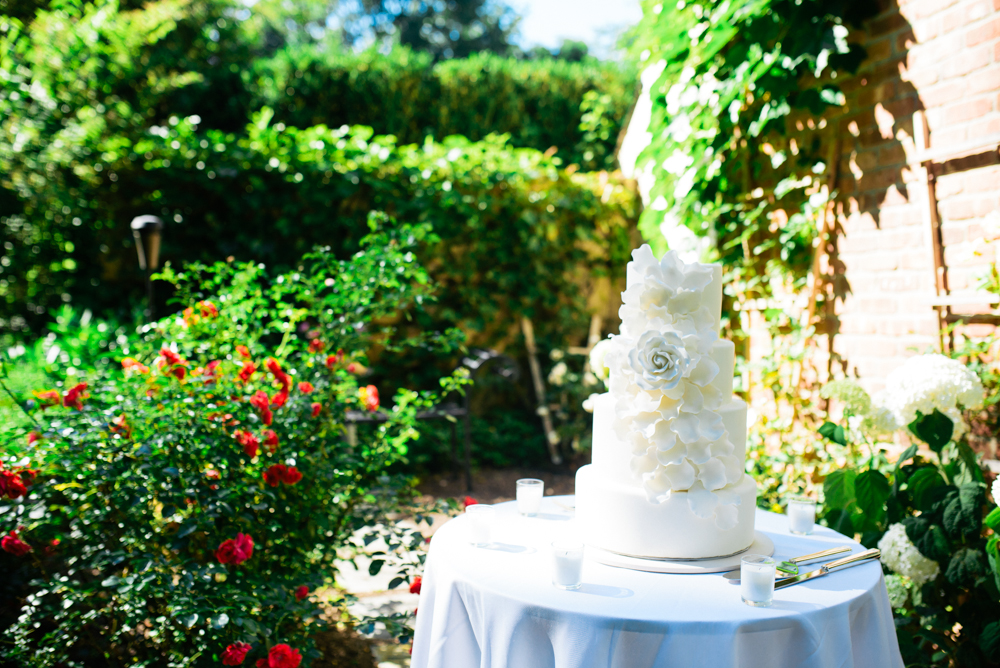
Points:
(567, 564)
(480, 523)
(801, 516)
(529, 496)
(757, 580)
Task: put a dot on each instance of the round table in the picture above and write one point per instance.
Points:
(495, 607)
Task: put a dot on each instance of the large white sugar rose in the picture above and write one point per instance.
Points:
(659, 360)
(661, 292)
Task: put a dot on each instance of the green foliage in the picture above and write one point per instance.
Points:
(941, 502)
(539, 103)
(729, 162)
(139, 485)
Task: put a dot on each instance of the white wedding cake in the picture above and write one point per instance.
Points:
(667, 474)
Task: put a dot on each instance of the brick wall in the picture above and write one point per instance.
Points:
(941, 57)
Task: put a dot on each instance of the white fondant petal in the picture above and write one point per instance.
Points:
(699, 452)
(674, 455)
(726, 517)
(681, 476)
(687, 427)
(711, 425)
(705, 372)
(663, 437)
(693, 401)
(712, 396)
(701, 501)
(712, 474)
(642, 464)
(722, 447)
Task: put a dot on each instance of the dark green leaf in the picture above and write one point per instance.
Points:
(872, 490)
(965, 567)
(963, 510)
(375, 566)
(395, 582)
(838, 488)
(840, 521)
(934, 429)
(921, 482)
(928, 538)
(834, 432)
(989, 641)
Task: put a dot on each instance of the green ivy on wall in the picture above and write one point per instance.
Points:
(739, 114)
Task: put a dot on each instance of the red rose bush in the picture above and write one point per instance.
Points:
(176, 508)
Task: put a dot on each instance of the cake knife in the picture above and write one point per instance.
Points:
(825, 569)
(735, 575)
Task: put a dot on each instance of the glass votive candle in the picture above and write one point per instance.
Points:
(529, 496)
(757, 580)
(567, 564)
(480, 523)
(801, 515)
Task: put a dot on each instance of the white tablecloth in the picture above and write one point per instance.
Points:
(495, 607)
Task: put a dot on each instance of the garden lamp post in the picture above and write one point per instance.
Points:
(146, 230)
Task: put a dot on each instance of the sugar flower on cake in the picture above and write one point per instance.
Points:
(903, 557)
(928, 382)
(661, 292)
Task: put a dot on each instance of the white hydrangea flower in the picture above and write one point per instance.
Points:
(926, 382)
(903, 557)
(996, 491)
(590, 402)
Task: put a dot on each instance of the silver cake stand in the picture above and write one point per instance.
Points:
(761, 545)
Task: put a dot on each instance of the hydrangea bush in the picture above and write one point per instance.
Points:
(185, 509)
(928, 512)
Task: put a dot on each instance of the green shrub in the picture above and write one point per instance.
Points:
(225, 421)
(539, 103)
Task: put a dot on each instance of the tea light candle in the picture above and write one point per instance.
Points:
(529, 496)
(567, 564)
(480, 523)
(757, 580)
(801, 515)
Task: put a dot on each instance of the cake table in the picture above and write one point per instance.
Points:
(495, 607)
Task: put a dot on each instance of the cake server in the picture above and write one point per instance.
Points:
(826, 569)
(735, 575)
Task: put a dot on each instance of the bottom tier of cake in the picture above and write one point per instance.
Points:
(620, 518)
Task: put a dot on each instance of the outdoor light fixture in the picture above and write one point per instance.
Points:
(147, 230)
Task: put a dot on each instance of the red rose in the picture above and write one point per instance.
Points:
(306, 387)
(415, 586)
(74, 397)
(235, 550)
(261, 663)
(352, 368)
(291, 475)
(11, 543)
(52, 546)
(279, 399)
(34, 437)
(270, 440)
(331, 361)
(283, 656)
(316, 346)
(11, 485)
(469, 501)
(210, 368)
(48, 398)
(212, 474)
(301, 592)
(248, 370)
(316, 408)
(169, 357)
(235, 654)
(208, 309)
(249, 442)
(369, 397)
(243, 351)
(120, 425)
(274, 474)
(261, 402)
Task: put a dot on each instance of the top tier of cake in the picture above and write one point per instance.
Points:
(683, 288)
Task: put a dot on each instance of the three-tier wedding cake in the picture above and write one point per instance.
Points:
(667, 474)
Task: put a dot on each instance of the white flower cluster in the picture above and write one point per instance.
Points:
(926, 382)
(896, 587)
(661, 372)
(996, 491)
(902, 556)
